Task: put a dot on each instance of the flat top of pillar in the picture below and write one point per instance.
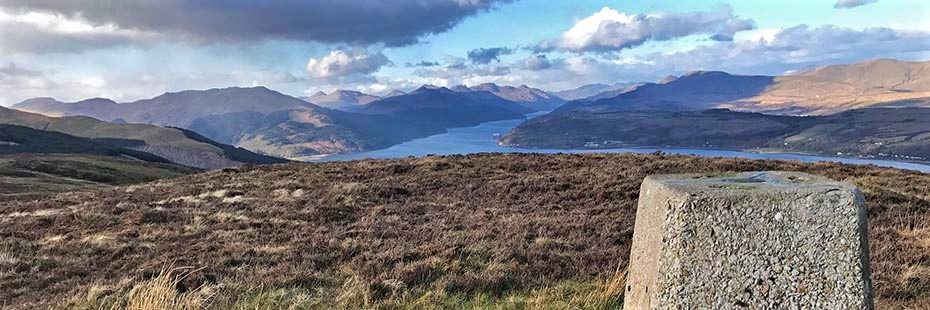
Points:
(740, 181)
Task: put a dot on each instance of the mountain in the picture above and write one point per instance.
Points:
(393, 93)
(589, 90)
(693, 91)
(889, 133)
(441, 107)
(341, 99)
(52, 107)
(169, 143)
(836, 88)
(526, 96)
(615, 92)
(178, 109)
(825, 90)
(307, 132)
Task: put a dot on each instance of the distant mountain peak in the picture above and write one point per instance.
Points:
(430, 88)
(96, 100)
(318, 94)
(394, 93)
(668, 79)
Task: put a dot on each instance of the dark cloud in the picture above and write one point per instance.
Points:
(535, 63)
(611, 30)
(20, 36)
(422, 64)
(362, 22)
(846, 4)
(487, 55)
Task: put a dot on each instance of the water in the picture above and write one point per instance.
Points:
(480, 139)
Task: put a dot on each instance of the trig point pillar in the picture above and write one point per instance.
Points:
(755, 240)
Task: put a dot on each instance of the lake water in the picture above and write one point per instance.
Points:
(480, 139)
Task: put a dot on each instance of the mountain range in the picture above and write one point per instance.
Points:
(877, 108)
(825, 90)
(591, 90)
(341, 99)
(532, 98)
(269, 122)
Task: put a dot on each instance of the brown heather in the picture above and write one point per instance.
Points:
(481, 231)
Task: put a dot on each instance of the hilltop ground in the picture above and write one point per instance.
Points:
(488, 231)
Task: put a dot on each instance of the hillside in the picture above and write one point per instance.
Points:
(168, 143)
(889, 133)
(822, 91)
(18, 139)
(480, 231)
(27, 176)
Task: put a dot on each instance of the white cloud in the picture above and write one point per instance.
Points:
(611, 30)
(341, 63)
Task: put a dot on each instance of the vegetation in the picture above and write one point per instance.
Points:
(30, 176)
(481, 231)
(19, 139)
(168, 143)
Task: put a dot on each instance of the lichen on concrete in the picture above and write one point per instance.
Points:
(757, 240)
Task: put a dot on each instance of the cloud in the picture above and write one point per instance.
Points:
(794, 48)
(357, 22)
(487, 55)
(341, 63)
(535, 63)
(846, 4)
(423, 63)
(611, 30)
(36, 32)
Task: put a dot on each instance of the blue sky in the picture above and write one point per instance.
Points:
(83, 49)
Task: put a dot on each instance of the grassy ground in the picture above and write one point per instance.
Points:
(31, 176)
(482, 231)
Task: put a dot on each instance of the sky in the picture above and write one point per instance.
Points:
(127, 50)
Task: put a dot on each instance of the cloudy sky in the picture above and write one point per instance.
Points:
(133, 49)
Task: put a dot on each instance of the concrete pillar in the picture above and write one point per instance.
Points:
(757, 240)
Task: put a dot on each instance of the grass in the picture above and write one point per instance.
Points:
(32, 176)
(514, 231)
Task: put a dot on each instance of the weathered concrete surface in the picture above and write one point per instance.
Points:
(762, 240)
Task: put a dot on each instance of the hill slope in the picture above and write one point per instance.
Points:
(482, 231)
(171, 144)
(36, 163)
(28, 176)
